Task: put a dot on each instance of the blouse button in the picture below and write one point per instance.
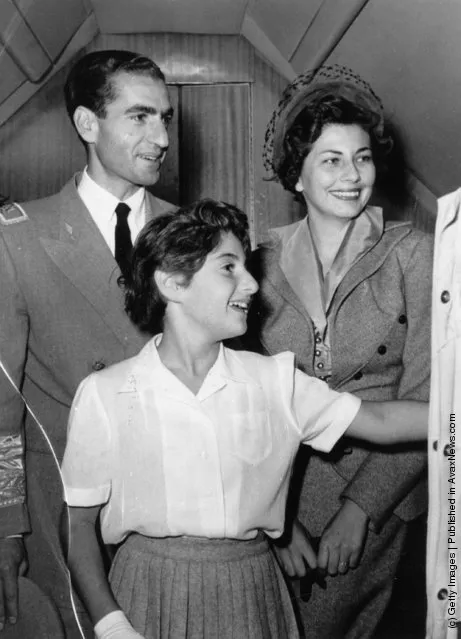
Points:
(435, 444)
(447, 450)
(402, 319)
(442, 594)
(318, 339)
(445, 297)
(358, 375)
(320, 365)
(98, 365)
(382, 349)
(317, 353)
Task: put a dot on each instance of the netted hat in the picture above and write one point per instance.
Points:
(310, 88)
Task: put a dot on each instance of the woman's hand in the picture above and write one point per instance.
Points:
(343, 540)
(294, 556)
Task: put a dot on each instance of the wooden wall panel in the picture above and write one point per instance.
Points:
(215, 144)
(189, 58)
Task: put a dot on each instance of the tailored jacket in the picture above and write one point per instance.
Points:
(61, 317)
(380, 345)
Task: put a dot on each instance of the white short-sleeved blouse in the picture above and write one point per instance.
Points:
(166, 462)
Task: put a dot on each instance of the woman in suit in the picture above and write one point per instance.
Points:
(350, 295)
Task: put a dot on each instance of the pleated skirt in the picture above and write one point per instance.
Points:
(194, 588)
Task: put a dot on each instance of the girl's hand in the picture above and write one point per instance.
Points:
(294, 556)
(115, 626)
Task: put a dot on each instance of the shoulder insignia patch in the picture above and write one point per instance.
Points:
(12, 213)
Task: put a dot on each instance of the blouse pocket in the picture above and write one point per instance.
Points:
(250, 436)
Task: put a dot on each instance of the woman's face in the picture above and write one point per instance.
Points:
(338, 174)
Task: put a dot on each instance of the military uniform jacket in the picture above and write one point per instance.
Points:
(380, 345)
(61, 316)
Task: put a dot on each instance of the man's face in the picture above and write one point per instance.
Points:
(129, 144)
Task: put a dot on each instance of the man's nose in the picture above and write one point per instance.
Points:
(158, 134)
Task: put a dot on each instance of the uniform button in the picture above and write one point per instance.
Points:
(320, 365)
(318, 340)
(402, 319)
(445, 297)
(447, 450)
(382, 349)
(318, 353)
(348, 450)
(98, 366)
(442, 594)
(358, 375)
(435, 444)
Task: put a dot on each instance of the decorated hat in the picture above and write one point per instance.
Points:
(310, 88)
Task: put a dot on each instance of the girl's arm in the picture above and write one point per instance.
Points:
(85, 561)
(390, 422)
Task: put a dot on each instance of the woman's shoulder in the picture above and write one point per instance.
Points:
(406, 237)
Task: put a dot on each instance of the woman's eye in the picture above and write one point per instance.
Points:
(365, 158)
(228, 267)
(332, 161)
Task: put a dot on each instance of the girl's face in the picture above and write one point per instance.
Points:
(216, 301)
(338, 174)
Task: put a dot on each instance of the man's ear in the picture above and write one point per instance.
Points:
(170, 285)
(86, 123)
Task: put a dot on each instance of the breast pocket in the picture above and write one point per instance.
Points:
(250, 437)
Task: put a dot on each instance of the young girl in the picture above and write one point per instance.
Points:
(185, 450)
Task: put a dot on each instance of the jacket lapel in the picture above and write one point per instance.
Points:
(85, 259)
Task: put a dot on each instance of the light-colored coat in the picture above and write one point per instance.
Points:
(61, 316)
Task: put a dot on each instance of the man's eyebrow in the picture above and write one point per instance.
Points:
(148, 110)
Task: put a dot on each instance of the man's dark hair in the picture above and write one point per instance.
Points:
(89, 83)
(177, 242)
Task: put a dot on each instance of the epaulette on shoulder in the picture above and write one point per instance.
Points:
(12, 213)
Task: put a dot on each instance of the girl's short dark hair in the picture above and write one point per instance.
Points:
(309, 124)
(177, 242)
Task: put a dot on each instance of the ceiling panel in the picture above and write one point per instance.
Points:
(284, 22)
(11, 77)
(181, 16)
(53, 23)
(406, 50)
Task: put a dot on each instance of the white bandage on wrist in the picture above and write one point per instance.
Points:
(115, 626)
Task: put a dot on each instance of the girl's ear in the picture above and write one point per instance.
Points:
(170, 285)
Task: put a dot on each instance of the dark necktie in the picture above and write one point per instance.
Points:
(123, 244)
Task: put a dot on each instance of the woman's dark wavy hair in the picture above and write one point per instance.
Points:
(177, 242)
(309, 124)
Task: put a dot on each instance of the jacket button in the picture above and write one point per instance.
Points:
(442, 594)
(445, 297)
(358, 375)
(447, 450)
(320, 365)
(382, 349)
(348, 450)
(402, 319)
(435, 444)
(98, 366)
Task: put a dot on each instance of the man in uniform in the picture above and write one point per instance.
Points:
(61, 306)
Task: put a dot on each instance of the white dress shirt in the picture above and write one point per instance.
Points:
(101, 204)
(444, 533)
(166, 462)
